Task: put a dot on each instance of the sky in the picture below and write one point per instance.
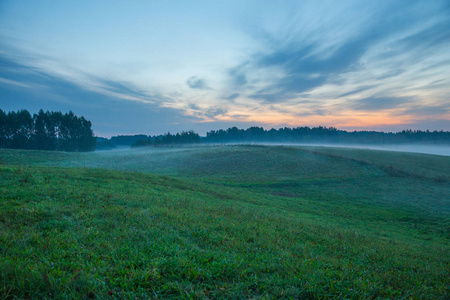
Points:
(153, 67)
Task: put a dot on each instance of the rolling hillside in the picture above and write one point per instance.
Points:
(224, 222)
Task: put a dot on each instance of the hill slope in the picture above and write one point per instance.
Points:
(234, 221)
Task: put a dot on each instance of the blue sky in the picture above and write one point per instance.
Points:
(157, 66)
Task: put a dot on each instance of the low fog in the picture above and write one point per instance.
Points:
(443, 150)
(425, 149)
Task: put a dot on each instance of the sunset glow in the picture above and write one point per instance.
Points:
(153, 67)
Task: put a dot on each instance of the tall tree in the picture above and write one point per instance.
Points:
(20, 127)
(69, 132)
(3, 129)
(86, 141)
(44, 131)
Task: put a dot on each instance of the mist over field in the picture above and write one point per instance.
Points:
(221, 221)
(421, 148)
(426, 149)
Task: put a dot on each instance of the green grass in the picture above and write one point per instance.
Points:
(224, 222)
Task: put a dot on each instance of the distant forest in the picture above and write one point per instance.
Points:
(141, 140)
(46, 131)
(66, 132)
(185, 137)
(326, 135)
(304, 135)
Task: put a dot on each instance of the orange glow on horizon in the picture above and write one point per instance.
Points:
(347, 119)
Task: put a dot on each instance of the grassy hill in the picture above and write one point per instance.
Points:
(224, 222)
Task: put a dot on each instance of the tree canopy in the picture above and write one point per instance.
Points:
(323, 134)
(46, 131)
(184, 137)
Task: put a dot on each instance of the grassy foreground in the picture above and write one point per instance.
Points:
(224, 222)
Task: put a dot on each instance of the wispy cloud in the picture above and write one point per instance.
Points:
(350, 63)
(354, 91)
(196, 83)
(304, 64)
(27, 71)
(428, 110)
(232, 97)
(15, 83)
(380, 103)
(238, 76)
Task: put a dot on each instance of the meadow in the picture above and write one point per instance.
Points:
(224, 221)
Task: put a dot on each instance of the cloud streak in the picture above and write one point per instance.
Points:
(196, 83)
(384, 103)
(298, 64)
(305, 66)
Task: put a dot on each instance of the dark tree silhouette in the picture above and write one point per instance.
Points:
(325, 135)
(184, 137)
(143, 143)
(46, 131)
(3, 129)
(127, 140)
(20, 129)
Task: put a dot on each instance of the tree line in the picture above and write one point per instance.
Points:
(325, 134)
(48, 130)
(142, 140)
(184, 137)
(304, 135)
(66, 132)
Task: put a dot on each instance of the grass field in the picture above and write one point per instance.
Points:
(237, 222)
